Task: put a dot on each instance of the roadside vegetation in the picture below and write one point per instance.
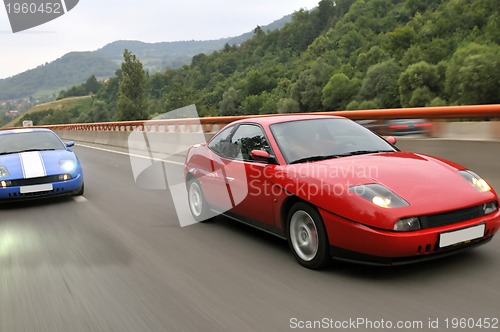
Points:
(67, 110)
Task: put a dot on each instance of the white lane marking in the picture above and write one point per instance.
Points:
(132, 155)
(32, 164)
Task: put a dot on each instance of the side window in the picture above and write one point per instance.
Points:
(248, 138)
(221, 145)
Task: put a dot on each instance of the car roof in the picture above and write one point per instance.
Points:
(269, 120)
(23, 130)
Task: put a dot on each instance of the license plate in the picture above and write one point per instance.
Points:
(460, 236)
(36, 188)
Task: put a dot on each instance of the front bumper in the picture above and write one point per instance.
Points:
(60, 188)
(356, 242)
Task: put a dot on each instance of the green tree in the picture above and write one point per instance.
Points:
(381, 82)
(369, 104)
(473, 75)
(339, 91)
(414, 78)
(252, 105)
(374, 55)
(177, 95)
(92, 85)
(307, 90)
(421, 97)
(131, 100)
(100, 111)
(229, 103)
(401, 39)
(256, 82)
(288, 105)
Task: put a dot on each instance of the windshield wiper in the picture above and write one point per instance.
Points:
(314, 158)
(27, 150)
(358, 152)
(331, 156)
(33, 150)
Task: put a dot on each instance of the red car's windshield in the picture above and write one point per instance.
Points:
(317, 139)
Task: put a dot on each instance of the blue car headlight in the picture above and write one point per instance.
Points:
(475, 180)
(67, 165)
(5, 184)
(379, 195)
(4, 171)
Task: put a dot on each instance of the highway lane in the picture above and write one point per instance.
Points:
(117, 260)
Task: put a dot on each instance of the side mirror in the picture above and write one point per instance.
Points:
(261, 155)
(391, 139)
(70, 144)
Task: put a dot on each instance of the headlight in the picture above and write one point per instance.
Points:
(3, 171)
(475, 180)
(490, 207)
(407, 224)
(5, 184)
(64, 177)
(379, 195)
(67, 165)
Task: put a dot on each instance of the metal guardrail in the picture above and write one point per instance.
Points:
(210, 124)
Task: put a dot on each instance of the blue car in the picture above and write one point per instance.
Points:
(35, 163)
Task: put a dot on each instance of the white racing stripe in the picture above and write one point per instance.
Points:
(32, 164)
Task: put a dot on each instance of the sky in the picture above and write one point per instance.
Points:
(94, 23)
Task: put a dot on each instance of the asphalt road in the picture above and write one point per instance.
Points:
(117, 260)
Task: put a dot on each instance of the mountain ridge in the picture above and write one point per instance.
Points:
(73, 68)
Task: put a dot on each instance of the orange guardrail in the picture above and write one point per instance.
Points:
(210, 123)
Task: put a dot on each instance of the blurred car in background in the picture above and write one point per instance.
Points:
(398, 127)
(408, 127)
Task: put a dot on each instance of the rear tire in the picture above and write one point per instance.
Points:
(198, 205)
(307, 236)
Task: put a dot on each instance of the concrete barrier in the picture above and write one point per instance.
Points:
(473, 130)
(111, 138)
(160, 142)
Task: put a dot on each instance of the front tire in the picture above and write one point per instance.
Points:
(307, 236)
(81, 191)
(197, 202)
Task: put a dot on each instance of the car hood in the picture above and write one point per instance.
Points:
(430, 185)
(35, 164)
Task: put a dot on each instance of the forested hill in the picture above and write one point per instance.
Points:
(75, 67)
(344, 54)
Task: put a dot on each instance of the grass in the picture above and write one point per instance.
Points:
(63, 104)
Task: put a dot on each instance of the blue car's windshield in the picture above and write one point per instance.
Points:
(319, 139)
(16, 142)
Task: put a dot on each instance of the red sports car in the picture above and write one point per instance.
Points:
(333, 188)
